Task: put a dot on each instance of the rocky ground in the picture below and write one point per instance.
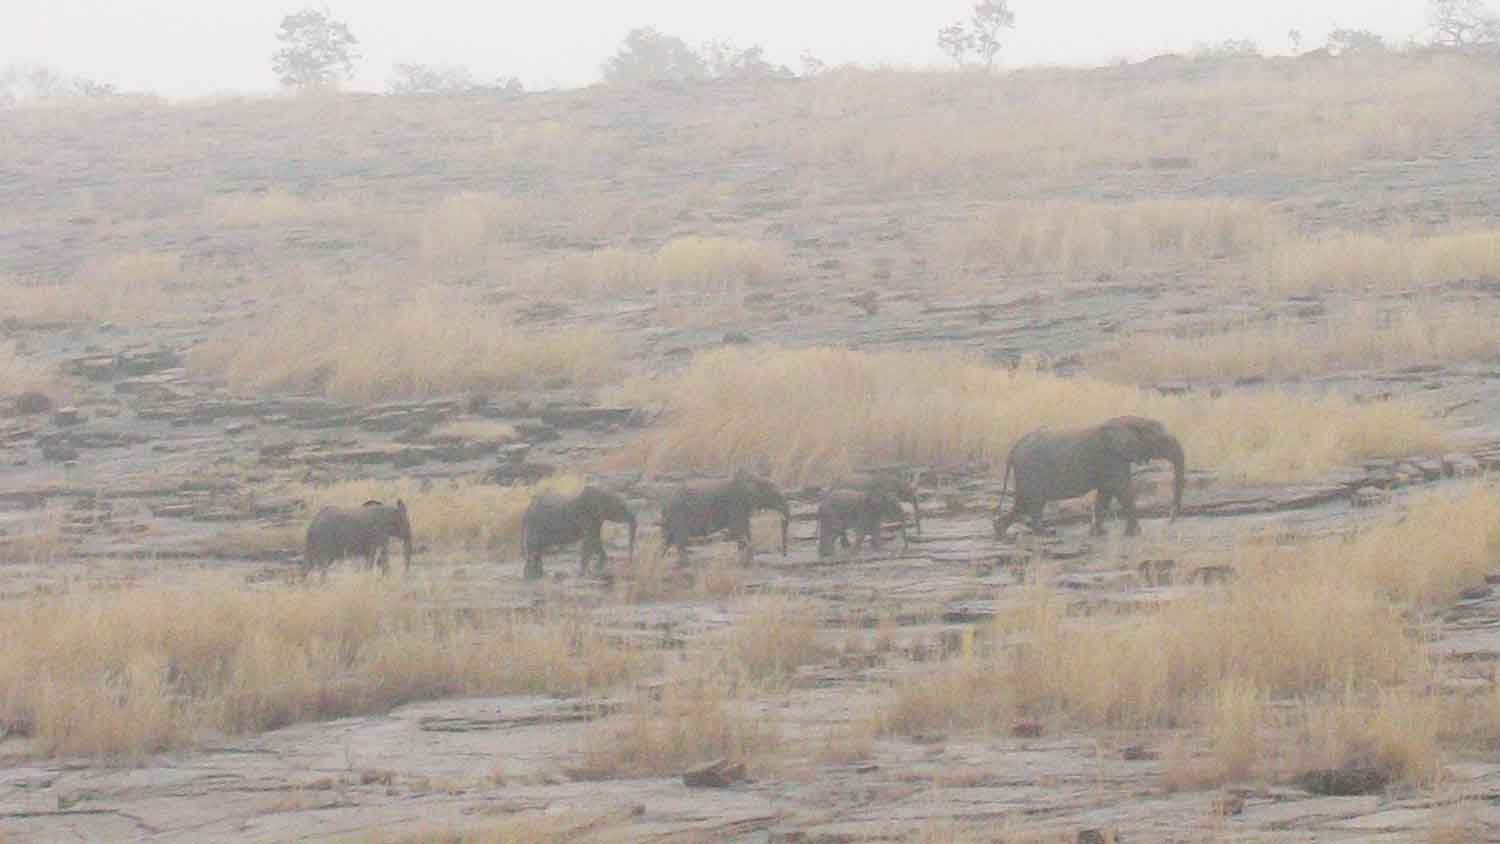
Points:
(150, 467)
(145, 469)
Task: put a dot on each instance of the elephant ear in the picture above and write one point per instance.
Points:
(1125, 442)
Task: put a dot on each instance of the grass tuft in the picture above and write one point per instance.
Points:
(429, 345)
(1360, 340)
(837, 410)
(1358, 261)
(210, 653)
(1072, 238)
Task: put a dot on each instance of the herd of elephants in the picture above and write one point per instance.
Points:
(1049, 465)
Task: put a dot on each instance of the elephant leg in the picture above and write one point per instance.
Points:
(1101, 510)
(1127, 503)
(594, 547)
(1004, 520)
(877, 537)
(533, 565)
(740, 532)
(1116, 484)
(1034, 514)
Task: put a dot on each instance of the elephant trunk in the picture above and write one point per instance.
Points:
(916, 515)
(406, 550)
(1172, 451)
(631, 523)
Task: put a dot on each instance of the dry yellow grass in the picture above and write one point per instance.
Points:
(1360, 340)
(655, 576)
(721, 265)
(956, 832)
(899, 132)
(1330, 623)
(1361, 261)
(835, 410)
(431, 344)
(476, 430)
(462, 225)
(134, 286)
(451, 513)
(696, 715)
(538, 828)
(19, 374)
(1076, 238)
(1396, 731)
(277, 207)
(207, 652)
(607, 270)
(704, 709)
(133, 272)
(776, 636)
(41, 538)
(49, 302)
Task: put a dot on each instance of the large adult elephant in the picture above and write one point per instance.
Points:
(552, 521)
(1054, 465)
(337, 532)
(698, 509)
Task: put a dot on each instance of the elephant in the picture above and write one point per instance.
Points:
(552, 521)
(900, 484)
(864, 510)
(1054, 465)
(338, 532)
(698, 509)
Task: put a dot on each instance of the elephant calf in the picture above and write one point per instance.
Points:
(339, 532)
(898, 483)
(699, 509)
(1054, 465)
(552, 521)
(863, 510)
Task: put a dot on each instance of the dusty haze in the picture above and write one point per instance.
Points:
(193, 47)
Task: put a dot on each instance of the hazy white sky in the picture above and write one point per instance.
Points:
(189, 47)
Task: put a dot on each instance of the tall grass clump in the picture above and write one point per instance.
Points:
(719, 265)
(897, 132)
(460, 226)
(813, 413)
(384, 350)
(696, 715)
(1071, 237)
(128, 287)
(1360, 261)
(19, 374)
(1332, 623)
(1360, 340)
(276, 207)
(149, 667)
(776, 636)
